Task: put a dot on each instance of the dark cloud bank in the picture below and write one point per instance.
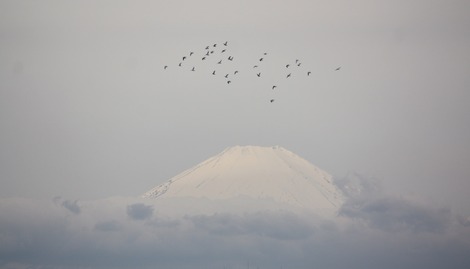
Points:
(371, 231)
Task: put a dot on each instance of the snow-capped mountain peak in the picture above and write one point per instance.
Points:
(257, 173)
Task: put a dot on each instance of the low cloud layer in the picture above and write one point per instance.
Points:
(383, 232)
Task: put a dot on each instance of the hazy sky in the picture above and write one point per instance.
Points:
(88, 112)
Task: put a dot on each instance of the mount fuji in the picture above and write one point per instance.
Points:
(256, 178)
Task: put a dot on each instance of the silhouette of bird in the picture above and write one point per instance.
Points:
(193, 69)
(338, 68)
(288, 75)
(259, 74)
(226, 42)
(215, 45)
(179, 64)
(296, 60)
(228, 81)
(265, 53)
(165, 67)
(299, 64)
(287, 65)
(191, 53)
(222, 51)
(274, 87)
(308, 73)
(207, 47)
(236, 72)
(255, 66)
(207, 53)
(184, 57)
(230, 58)
(226, 76)
(212, 51)
(219, 62)
(260, 59)
(203, 58)
(272, 100)
(213, 73)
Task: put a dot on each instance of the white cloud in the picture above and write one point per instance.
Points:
(41, 234)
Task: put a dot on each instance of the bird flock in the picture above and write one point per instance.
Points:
(218, 55)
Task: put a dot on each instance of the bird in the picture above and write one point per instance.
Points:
(288, 75)
(228, 81)
(226, 76)
(184, 57)
(308, 73)
(215, 45)
(225, 43)
(338, 68)
(165, 67)
(296, 60)
(207, 47)
(207, 53)
(223, 51)
(272, 100)
(287, 65)
(299, 64)
(230, 58)
(265, 53)
(255, 66)
(259, 74)
(236, 72)
(179, 64)
(213, 73)
(219, 62)
(193, 69)
(191, 53)
(212, 51)
(203, 58)
(274, 87)
(260, 59)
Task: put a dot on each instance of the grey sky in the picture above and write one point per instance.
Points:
(87, 111)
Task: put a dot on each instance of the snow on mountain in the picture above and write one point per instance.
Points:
(261, 175)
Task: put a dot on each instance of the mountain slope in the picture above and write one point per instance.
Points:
(257, 173)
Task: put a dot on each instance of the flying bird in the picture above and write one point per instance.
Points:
(260, 59)
(193, 69)
(236, 72)
(215, 45)
(338, 68)
(255, 66)
(287, 65)
(191, 53)
(272, 100)
(207, 47)
(165, 67)
(274, 87)
(179, 64)
(299, 64)
(219, 62)
(228, 81)
(230, 58)
(213, 73)
(203, 58)
(308, 73)
(259, 74)
(288, 75)
(226, 76)
(226, 42)
(223, 51)
(184, 57)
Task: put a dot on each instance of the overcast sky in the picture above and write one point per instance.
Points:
(88, 112)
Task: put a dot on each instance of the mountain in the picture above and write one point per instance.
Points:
(270, 176)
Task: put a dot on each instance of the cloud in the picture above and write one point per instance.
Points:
(139, 211)
(382, 233)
